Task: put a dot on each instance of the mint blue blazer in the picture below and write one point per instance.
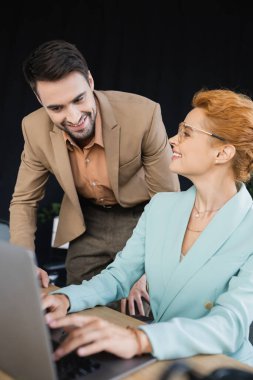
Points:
(203, 304)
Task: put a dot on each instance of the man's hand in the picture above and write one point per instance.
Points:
(43, 277)
(88, 335)
(138, 291)
(56, 306)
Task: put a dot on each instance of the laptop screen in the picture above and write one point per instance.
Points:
(25, 342)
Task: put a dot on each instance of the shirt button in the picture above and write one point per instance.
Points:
(87, 160)
(93, 183)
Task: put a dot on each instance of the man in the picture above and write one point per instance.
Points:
(109, 152)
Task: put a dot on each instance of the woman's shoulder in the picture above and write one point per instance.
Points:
(170, 196)
(165, 199)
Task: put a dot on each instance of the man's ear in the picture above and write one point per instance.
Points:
(225, 153)
(91, 81)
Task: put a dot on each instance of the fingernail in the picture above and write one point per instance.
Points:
(58, 354)
(48, 319)
(81, 351)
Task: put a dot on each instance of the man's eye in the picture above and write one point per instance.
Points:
(79, 100)
(55, 109)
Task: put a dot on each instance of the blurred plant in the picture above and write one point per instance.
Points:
(48, 213)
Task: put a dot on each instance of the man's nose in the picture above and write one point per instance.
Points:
(73, 115)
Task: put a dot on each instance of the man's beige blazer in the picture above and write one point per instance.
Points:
(137, 154)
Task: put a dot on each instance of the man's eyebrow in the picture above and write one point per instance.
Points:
(79, 96)
(52, 106)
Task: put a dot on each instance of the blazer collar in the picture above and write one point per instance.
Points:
(224, 223)
(63, 165)
(111, 138)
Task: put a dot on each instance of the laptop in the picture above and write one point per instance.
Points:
(26, 342)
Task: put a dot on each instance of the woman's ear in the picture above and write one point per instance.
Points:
(225, 153)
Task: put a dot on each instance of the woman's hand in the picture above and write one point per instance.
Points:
(137, 294)
(88, 335)
(55, 305)
(43, 277)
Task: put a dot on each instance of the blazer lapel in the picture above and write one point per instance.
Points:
(215, 234)
(176, 230)
(111, 138)
(64, 168)
(169, 252)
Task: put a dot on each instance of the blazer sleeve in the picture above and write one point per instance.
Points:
(156, 157)
(29, 190)
(221, 331)
(114, 282)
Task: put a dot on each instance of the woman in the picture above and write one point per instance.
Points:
(195, 246)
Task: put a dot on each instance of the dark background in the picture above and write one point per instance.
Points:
(165, 50)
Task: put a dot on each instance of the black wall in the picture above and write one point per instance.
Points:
(135, 46)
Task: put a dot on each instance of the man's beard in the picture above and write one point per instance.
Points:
(83, 134)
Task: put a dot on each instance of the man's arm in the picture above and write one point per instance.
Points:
(156, 157)
(29, 190)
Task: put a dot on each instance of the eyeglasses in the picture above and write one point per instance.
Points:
(183, 133)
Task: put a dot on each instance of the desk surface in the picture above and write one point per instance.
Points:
(203, 364)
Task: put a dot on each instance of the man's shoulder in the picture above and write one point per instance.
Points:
(38, 117)
(117, 97)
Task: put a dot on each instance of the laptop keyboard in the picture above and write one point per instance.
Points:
(72, 366)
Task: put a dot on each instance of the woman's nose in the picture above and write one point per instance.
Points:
(173, 140)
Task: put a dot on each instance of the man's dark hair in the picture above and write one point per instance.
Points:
(52, 61)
